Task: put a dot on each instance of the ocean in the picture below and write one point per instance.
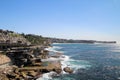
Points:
(89, 61)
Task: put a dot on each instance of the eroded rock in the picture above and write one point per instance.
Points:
(68, 70)
(57, 70)
(32, 73)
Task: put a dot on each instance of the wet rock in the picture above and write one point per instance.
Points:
(32, 73)
(57, 70)
(38, 75)
(68, 70)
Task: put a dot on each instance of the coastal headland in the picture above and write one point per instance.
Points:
(24, 56)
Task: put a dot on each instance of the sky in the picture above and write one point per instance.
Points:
(70, 19)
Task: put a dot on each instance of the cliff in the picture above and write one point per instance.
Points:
(36, 39)
(12, 38)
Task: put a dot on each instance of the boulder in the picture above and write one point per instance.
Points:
(68, 70)
(57, 70)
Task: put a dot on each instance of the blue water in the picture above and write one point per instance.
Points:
(91, 61)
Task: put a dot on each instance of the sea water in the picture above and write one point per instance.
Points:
(89, 61)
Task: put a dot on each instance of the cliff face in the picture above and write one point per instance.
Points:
(12, 37)
(36, 39)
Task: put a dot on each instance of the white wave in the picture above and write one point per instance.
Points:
(57, 47)
(115, 50)
(53, 49)
(66, 61)
(74, 64)
(46, 76)
(56, 43)
(52, 59)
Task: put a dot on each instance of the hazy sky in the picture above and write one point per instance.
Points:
(75, 19)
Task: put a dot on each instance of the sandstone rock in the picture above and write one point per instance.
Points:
(16, 70)
(11, 75)
(32, 73)
(68, 70)
(23, 75)
(58, 70)
(3, 77)
(17, 76)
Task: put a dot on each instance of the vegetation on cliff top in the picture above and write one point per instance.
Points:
(35, 39)
(7, 36)
(12, 37)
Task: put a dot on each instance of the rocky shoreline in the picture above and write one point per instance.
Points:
(27, 55)
(32, 63)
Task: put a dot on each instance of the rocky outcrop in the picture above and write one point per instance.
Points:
(57, 70)
(24, 58)
(12, 37)
(22, 75)
(68, 70)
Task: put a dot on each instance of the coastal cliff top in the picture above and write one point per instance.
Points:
(12, 37)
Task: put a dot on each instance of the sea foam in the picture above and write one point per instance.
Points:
(66, 61)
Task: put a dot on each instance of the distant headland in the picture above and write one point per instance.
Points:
(58, 40)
